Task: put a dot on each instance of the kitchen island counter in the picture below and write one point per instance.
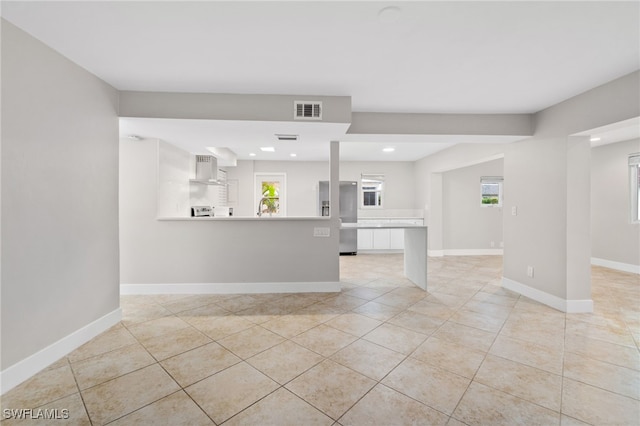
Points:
(249, 218)
(415, 248)
(380, 226)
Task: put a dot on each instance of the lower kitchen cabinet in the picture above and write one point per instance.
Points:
(365, 239)
(396, 239)
(383, 239)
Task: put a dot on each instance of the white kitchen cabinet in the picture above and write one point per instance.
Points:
(396, 239)
(383, 239)
(372, 239)
(365, 239)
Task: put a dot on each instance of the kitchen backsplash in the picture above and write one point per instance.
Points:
(362, 213)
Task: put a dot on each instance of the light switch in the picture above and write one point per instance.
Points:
(530, 271)
(321, 232)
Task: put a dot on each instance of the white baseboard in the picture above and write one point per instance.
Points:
(465, 252)
(381, 251)
(619, 266)
(230, 288)
(568, 306)
(22, 370)
(473, 252)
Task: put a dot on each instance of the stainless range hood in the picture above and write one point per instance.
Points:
(207, 170)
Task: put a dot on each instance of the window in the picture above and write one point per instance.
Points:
(634, 187)
(372, 190)
(270, 194)
(491, 191)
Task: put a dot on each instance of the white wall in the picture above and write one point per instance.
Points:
(613, 237)
(203, 195)
(174, 195)
(212, 251)
(427, 177)
(547, 179)
(398, 198)
(242, 178)
(536, 184)
(59, 201)
(302, 185)
(469, 225)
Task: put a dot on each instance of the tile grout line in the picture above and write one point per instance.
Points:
(163, 369)
(483, 361)
(84, 404)
(172, 378)
(396, 286)
(406, 356)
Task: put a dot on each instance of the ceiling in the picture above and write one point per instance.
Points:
(615, 132)
(247, 137)
(430, 57)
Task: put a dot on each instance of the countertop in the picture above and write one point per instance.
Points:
(241, 218)
(392, 218)
(266, 218)
(380, 226)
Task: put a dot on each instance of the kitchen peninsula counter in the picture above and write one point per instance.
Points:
(249, 218)
(389, 225)
(415, 248)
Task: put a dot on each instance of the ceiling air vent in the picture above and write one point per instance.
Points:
(287, 137)
(304, 110)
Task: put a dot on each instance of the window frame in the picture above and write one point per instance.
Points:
(492, 180)
(634, 188)
(379, 177)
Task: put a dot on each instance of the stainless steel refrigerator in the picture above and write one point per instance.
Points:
(348, 212)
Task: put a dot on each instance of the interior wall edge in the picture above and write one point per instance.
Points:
(24, 369)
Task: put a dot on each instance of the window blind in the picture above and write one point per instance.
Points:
(491, 179)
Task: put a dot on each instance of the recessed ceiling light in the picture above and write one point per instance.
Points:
(252, 154)
(134, 137)
(389, 149)
(293, 155)
(594, 139)
(267, 149)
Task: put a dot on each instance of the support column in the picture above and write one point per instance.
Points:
(334, 195)
(436, 247)
(579, 224)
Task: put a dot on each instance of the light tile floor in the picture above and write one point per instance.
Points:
(380, 352)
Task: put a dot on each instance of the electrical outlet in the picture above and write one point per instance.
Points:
(321, 232)
(502, 244)
(514, 211)
(530, 271)
(493, 244)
